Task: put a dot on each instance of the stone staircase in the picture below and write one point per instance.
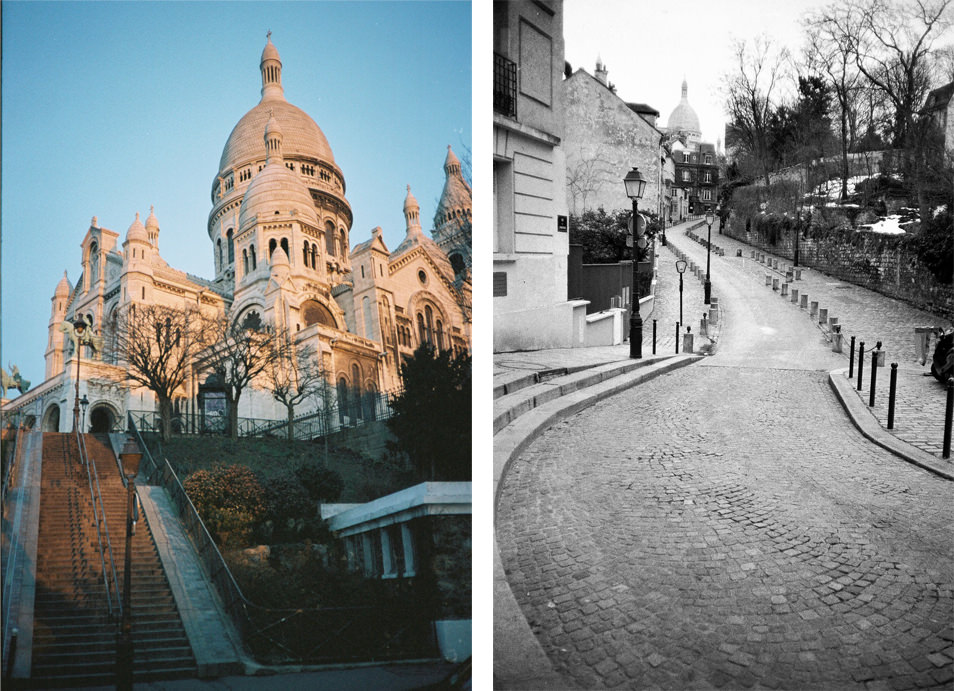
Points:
(74, 639)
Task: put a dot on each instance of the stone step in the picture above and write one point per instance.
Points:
(523, 395)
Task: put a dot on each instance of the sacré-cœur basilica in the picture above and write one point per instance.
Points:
(280, 233)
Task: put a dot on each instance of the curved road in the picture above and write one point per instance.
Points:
(726, 526)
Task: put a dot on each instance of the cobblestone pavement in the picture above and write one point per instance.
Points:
(870, 317)
(724, 526)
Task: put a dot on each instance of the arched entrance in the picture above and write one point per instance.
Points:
(101, 419)
(51, 420)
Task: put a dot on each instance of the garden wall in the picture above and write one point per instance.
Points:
(883, 263)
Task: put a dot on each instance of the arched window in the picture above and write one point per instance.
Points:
(285, 247)
(440, 335)
(271, 248)
(314, 256)
(313, 312)
(342, 243)
(429, 318)
(228, 237)
(304, 253)
(219, 244)
(421, 331)
(342, 398)
(245, 260)
(457, 263)
(253, 257)
(330, 238)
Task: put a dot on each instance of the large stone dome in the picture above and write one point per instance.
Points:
(303, 137)
(683, 117)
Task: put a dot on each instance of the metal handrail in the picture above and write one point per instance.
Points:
(99, 514)
(248, 617)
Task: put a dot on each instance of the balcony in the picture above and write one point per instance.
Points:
(505, 86)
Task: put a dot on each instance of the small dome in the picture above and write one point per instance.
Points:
(137, 231)
(683, 117)
(63, 287)
(451, 162)
(152, 222)
(276, 190)
(270, 52)
(410, 202)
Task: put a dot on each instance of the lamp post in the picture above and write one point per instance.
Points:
(708, 284)
(635, 183)
(85, 403)
(79, 328)
(681, 268)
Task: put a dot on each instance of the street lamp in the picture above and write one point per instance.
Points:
(85, 403)
(635, 183)
(708, 285)
(681, 268)
(79, 328)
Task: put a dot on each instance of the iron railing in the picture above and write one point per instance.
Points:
(103, 543)
(305, 635)
(333, 418)
(505, 86)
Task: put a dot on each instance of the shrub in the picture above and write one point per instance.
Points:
(322, 484)
(230, 500)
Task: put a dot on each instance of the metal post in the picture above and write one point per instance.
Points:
(861, 362)
(874, 378)
(124, 677)
(708, 284)
(677, 338)
(654, 336)
(680, 297)
(635, 320)
(948, 414)
(851, 359)
(11, 655)
(76, 414)
(892, 388)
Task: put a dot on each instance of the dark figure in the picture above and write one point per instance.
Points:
(942, 364)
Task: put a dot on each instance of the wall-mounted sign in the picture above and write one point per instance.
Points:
(563, 224)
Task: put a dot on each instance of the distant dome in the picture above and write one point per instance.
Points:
(152, 221)
(137, 231)
(63, 287)
(683, 117)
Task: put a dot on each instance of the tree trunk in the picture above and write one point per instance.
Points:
(165, 417)
(844, 154)
(291, 421)
(233, 414)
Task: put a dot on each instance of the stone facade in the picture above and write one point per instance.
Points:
(605, 137)
(531, 233)
(280, 230)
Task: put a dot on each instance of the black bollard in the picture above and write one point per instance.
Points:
(677, 338)
(654, 336)
(874, 378)
(861, 361)
(948, 414)
(892, 388)
(851, 359)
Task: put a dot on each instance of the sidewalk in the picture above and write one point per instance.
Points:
(516, 365)
(869, 317)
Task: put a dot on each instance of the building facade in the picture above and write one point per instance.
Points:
(605, 137)
(530, 216)
(280, 235)
(695, 162)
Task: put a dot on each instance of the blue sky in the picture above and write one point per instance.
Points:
(109, 108)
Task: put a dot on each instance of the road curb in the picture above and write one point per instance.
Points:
(519, 659)
(869, 426)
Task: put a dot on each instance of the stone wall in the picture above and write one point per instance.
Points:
(450, 564)
(883, 263)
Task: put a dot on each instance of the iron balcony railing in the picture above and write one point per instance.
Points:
(505, 86)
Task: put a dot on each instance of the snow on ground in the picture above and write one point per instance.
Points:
(887, 226)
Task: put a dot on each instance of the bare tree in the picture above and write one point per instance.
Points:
(295, 375)
(158, 345)
(239, 352)
(585, 174)
(748, 93)
(831, 52)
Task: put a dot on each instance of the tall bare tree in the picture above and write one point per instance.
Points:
(158, 345)
(295, 376)
(239, 352)
(748, 93)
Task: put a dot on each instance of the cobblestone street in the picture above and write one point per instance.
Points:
(725, 526)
